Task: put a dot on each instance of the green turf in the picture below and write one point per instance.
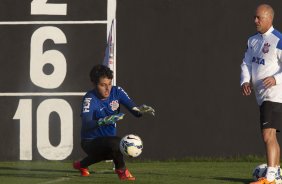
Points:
(176, 172)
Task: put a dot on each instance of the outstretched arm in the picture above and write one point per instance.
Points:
(130, 105)
(144, 109)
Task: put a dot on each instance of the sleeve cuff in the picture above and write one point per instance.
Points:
(277, 78)
(242, 82)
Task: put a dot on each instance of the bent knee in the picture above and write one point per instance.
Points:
(115, 144)
(269, 135)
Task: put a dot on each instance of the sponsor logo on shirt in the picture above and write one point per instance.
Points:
(265, 48)
(114, 105)
(86, 104)
(258, 60)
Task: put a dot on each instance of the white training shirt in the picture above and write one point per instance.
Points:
(263, 58)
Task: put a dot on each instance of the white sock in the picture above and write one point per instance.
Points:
(270, 173)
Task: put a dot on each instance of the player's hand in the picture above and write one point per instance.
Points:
(109, 120)
(144, 109)
(246, 89)
(269, 82)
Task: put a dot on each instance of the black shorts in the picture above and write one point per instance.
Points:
(102, 148)
(271, 115)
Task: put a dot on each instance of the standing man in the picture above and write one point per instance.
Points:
(262, 65)
(100, 111)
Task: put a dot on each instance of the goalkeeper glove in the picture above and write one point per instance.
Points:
(110, 120)
(144, 109)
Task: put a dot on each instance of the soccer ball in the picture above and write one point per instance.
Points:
(259, 171)
(131, 145)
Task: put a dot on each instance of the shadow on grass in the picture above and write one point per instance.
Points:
(45, 173)
(35, 170)
(239, 180)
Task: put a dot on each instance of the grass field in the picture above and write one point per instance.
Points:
(176, 172)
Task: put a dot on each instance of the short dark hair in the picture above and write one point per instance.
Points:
(100, 71)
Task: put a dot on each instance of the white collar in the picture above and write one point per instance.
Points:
(267, 32)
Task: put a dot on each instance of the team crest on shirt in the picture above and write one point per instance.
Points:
(265, 48)
(114, 105)
(86, 104)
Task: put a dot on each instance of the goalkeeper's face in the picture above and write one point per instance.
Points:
(104, 87)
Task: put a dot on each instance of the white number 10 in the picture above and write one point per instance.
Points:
(45, 148)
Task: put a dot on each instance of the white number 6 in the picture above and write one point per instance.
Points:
(38, 59)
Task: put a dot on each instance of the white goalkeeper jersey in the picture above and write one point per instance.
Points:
(263, 58)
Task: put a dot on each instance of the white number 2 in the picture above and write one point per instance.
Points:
(41, 7)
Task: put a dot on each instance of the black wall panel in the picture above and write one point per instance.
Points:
(180, 56)
(184, 57)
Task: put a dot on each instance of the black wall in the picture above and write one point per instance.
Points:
(183, 57)
(180, 56)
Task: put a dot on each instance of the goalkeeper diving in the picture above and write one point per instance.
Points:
(100, 112)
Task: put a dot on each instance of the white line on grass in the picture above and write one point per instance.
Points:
(55, 181)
